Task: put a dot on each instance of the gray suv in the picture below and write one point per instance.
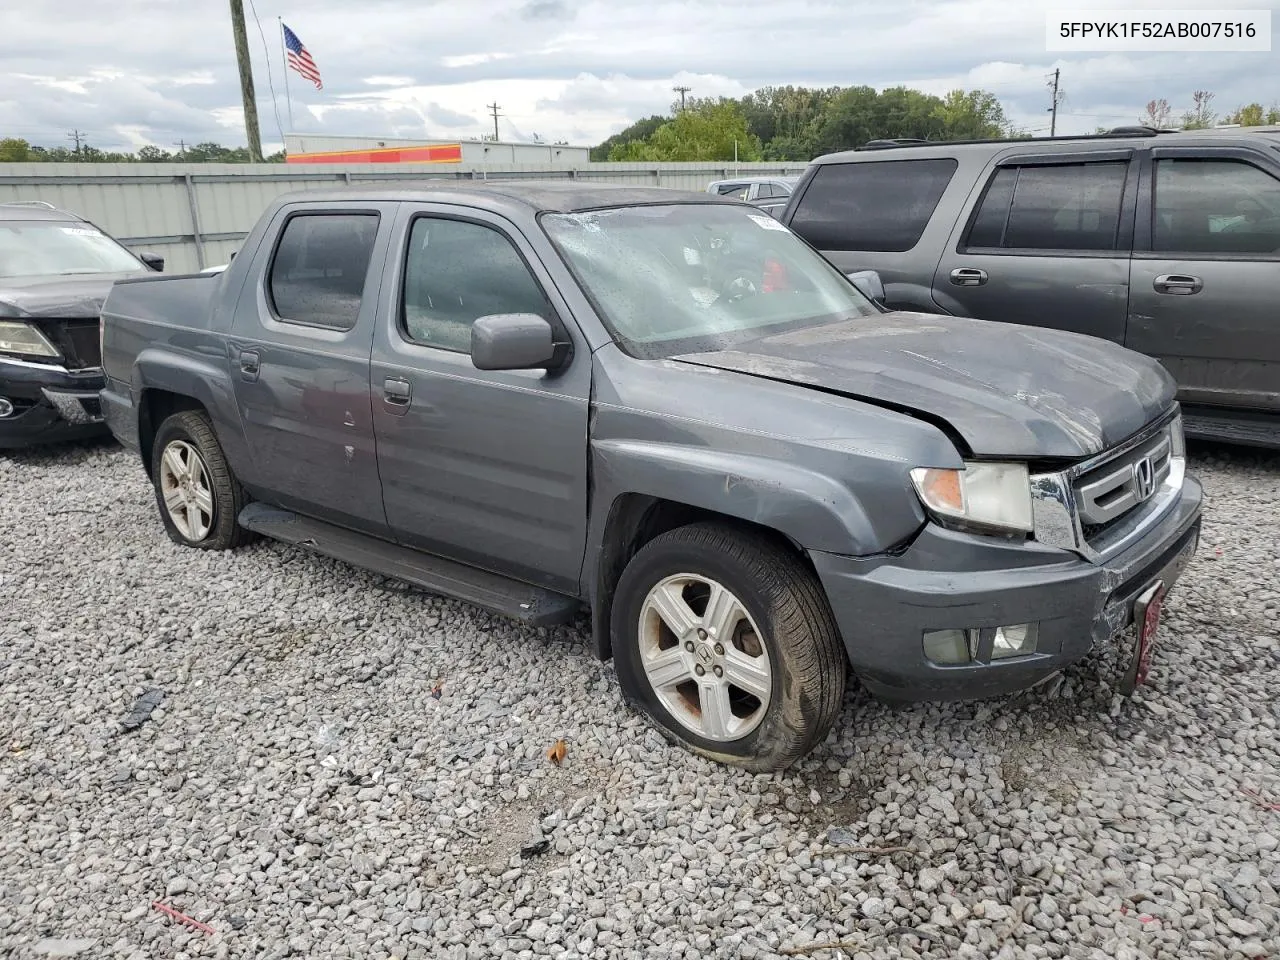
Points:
(1168, 243)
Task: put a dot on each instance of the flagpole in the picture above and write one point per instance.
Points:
(285, 60)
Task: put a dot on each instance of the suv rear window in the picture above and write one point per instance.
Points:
(1051, 207)
(881, 205)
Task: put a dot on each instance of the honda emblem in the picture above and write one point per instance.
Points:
(1144, 478)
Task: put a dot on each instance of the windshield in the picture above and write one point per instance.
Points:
(691, 277)
(37, 248)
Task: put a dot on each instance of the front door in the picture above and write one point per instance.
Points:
(1205, 272)
(1048, 245)
(299, 355)
(485, 467)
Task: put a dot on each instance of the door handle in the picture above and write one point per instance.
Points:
(1178, 284)
(968, 277)
(250, 364)
(396, 394)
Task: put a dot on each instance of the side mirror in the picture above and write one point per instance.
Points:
(515, 341)
(152, 260)
(868, 281)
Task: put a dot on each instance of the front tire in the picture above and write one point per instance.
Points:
(198, 495)
(726, 642)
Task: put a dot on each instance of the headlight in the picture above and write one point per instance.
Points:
(990, 496)
(23, 338)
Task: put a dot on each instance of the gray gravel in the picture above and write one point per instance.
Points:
(301, 791)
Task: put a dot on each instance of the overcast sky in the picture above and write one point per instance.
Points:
(132, 72)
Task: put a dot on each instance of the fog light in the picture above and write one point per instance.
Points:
(947, 646)
(1014, 641)
(6, 408)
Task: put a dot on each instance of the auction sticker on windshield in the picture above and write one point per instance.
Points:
(768, 223)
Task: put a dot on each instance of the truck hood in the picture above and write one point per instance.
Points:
(69, 297)
(1008, 390)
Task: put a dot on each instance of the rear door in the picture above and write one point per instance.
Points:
(485, 467)
(299, 356)
(1047, 243)
(1206, 272)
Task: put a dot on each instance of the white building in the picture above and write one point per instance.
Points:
(304, 148)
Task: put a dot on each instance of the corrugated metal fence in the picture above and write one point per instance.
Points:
(195, 215)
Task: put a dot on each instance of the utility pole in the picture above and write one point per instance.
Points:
(77, 136)
(493, 108)
(246, 81)
(182, 149)
(682, 91)
(1053, 110)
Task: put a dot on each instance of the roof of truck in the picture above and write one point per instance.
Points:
(557, 196)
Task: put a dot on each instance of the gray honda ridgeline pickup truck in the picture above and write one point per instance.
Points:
(667, 409)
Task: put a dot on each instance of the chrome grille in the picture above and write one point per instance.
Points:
(1100, 506)
(1109, 491)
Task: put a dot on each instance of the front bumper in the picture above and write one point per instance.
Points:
(948, 580)
(49, 403)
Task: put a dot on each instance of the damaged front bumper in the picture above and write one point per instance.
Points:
(45, 402)
(951, 581)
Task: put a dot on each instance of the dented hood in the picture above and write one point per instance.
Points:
(65, 297)
(1008, 390)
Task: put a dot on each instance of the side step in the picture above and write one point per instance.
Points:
(1255, 431)
(497, 594)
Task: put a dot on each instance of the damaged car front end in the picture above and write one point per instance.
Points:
(55, 272)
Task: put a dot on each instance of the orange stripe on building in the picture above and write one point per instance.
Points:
(439, 153)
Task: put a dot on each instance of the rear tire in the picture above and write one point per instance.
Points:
(198, 495)
(753, 673)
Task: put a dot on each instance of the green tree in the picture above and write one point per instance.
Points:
(639, 130)
(705, 130)
(972, 115)
(1201, 114)
(1255, 115)
(153, 154)
(16, 150)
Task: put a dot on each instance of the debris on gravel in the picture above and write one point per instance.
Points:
(346, 767)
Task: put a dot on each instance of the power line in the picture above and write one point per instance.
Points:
(682, 91)
(77, 136)
(182, 148)
(271, 84)
(493, 108)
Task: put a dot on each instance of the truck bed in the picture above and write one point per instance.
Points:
(137, 312)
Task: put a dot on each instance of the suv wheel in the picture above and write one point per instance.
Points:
(726, 642)
(198, 495)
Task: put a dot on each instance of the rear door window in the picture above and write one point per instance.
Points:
(319, 269)
(879, 205)
(1051, 207)
(1216, 207)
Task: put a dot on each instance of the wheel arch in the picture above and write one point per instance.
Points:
(634, 519)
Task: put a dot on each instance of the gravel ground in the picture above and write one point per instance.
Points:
(342, 767)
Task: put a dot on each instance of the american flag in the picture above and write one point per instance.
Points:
(299, 59)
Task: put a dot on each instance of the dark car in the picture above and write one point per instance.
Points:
(1166, 242)
(55, 271)
(662, 408)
